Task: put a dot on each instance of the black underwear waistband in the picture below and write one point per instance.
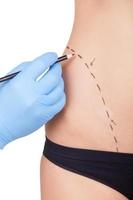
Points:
(88, 154)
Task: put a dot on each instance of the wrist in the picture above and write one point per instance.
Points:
(3, 133)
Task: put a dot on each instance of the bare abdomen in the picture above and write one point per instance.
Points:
(99, 109)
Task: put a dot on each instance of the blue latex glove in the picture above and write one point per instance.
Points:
(25, 104)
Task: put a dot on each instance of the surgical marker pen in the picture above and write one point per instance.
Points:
(62, 58)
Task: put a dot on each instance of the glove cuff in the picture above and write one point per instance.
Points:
(3, 132)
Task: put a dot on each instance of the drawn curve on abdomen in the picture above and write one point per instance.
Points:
(112, 123)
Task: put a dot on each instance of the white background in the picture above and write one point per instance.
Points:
(28, 28)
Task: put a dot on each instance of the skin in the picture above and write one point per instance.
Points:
(102, 30)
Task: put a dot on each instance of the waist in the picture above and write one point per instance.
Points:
(98, 113)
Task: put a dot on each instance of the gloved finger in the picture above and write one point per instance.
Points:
(57, 107)
(50, 80)
(52, 110)
(40, 64)
(55, 95)
(20, 67)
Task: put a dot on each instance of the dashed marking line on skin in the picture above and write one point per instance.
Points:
(73, 50)
(103, 100)
(80, 56)
(111, 128)
(113, 122)
(98, 87)
(107, 113)
(68, 47)
(91, 63)
(92, 75)
(87, 65)
(115, 139)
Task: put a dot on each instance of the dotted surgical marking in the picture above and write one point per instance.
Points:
(86, 65)
(91, 63)
(112, 129)
(73, 50)
(115, 139)
(92, 75)
(107, 113)
(68, 47)
(98, 87)
(80, 56)
(113, 122)
(103, 100)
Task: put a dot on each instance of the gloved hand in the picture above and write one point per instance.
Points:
(25, 104)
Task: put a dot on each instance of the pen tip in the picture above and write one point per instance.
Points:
(70, 55)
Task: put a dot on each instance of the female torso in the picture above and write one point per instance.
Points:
(98, 81)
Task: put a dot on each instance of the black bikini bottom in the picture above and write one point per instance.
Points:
(110, 168)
